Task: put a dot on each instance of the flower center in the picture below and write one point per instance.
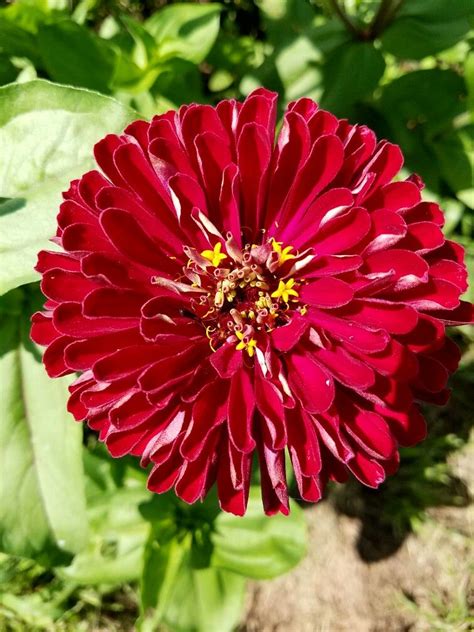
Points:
(240, 295)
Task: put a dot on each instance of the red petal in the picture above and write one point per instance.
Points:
(226, 360)
(241, 405)
(312, 384)
(326, 293)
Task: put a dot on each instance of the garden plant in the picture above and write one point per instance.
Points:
(235, 247)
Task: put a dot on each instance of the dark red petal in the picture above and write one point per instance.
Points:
(326, 293)
(209, 410)
(341, 233)
(366, 470)
(367, 339)
(68, 319)
(60, 285)
(269, 402)
(345, 368)
(253, 158)
(273, 481)
(43, 331)
(287, 336)
(409, 427)
(241, 405)
(395, 318)
(53, 357)
(233, 478)
(312, 385)
(227, 360)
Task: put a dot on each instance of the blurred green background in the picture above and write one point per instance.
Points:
(403, 67)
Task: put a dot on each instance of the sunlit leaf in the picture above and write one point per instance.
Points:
(187, 31)
(114, 552)
(46, 137)
(42, 499)
(256, 545)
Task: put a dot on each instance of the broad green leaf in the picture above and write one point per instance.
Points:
(17, 42)
(46, 137)
(179, 82)
(425, 27)
(163, 559)
(455, 153)
(74, 55)
(42, 499)
(207, 600)
(351, 72)
(182, 597)
(144, 45)
(8, 72)
(256, 545)
(118, 533)
(425, 97)
(421, 107)
(187, 31)
(469, 77)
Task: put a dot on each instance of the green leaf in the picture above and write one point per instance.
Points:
(118, 533)
(42, 499)
(182, 597)
(469, 77)
(163, 559)
(424, 97)
(74, 55)
(17, 42)
(300, 45)
(351, 72)
(46, 137)
(256, 545)
(455, 153)
(207, 600)
(187, 31)
(425, 27)
(8, 72)
(420, 106)
(179, 82)
(144, 45)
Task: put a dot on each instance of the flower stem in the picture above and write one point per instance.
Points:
(344, 18)
(385, 14)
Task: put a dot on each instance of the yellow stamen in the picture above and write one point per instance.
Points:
(209, 331)
(215, 256)
(285, 290)
(283, 253)
(248, 346)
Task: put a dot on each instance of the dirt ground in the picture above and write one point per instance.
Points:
(425, 585)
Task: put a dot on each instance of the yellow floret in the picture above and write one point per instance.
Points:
(248, 346)
(283, 253)
(215, 256)
(285, 290)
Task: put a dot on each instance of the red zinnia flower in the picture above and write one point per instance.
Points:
(223, 296)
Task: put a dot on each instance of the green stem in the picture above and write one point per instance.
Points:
(344, 18)
(385, 14)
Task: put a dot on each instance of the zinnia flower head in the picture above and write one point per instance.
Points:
(228, 300)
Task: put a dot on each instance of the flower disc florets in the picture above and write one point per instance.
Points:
(226, 298)
(238, 295)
